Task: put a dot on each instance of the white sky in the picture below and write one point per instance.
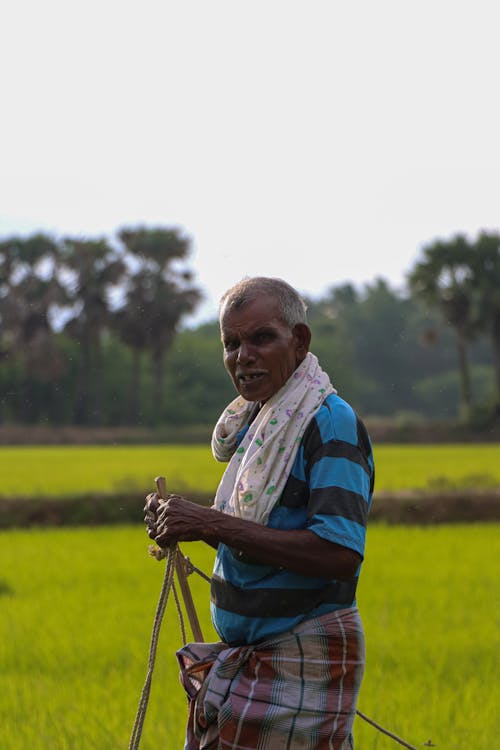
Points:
(318, 141)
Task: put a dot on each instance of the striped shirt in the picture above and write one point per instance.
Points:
(329, 492)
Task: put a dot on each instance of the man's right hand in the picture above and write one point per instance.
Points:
(151, 513)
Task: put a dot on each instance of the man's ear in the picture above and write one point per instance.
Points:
(302, 335)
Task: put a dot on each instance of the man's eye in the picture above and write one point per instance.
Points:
(230, 346)
(263, 337)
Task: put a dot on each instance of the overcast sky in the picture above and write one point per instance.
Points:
(318, 141)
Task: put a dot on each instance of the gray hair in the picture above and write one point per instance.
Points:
(291, 305)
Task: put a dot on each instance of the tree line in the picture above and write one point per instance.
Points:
(91, 333)
(65, 304)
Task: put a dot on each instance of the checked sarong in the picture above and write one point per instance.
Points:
(297, 691)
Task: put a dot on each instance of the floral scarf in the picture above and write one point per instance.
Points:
(260, 464)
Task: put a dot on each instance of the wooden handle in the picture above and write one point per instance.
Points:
(180, 568)
(161, 487)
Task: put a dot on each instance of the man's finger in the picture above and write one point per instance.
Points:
(152, 502)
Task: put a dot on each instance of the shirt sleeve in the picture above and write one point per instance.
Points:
(340, 475)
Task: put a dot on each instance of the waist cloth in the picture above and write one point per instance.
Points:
(297, 691)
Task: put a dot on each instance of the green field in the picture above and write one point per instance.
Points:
(69, 470)
(77, 608)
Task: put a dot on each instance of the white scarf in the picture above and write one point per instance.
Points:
(259, 467)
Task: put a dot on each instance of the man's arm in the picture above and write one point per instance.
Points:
(300, 551)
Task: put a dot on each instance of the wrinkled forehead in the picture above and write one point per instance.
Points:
(240, 299)
(249, 304)
(254, 311)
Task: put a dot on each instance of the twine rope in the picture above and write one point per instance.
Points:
(168, 580)
(179, 613)
(385, 731)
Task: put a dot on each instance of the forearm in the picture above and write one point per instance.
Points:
(300, 551)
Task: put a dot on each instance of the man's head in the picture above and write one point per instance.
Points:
(292, 307)
(265, 335)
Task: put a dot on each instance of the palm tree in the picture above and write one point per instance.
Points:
(92, 269)
(443, 280)
(129, 322)
(486, 296)
(30, 293)
(159, 295)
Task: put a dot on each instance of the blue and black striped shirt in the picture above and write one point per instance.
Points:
(329, 492)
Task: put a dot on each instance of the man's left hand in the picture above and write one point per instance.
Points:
(173, 519)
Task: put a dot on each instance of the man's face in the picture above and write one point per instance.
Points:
(260, 350)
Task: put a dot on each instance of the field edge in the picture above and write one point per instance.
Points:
(418, 507)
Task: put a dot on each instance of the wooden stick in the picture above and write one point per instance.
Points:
(180, 569)
(161, 487)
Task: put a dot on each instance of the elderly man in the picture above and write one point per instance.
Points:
(288, 523)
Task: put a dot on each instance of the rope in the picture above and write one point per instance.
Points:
(386, 731)
(168, 583)
(190, 568)
(179, 614)
(160, 611)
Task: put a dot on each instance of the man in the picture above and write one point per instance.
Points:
(288, 523)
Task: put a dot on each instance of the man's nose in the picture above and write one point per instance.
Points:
(245, 353)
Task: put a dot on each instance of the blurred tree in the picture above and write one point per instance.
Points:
(333, 321)
(81, 319)
(386, 341)
(370, 341)
(443, 280)
(30, 294)
(197, 377)
(129, 323)
(485, 296)
(92, 270)
(159, 294)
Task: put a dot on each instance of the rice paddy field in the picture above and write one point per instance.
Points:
(77, 608)
(57, 471)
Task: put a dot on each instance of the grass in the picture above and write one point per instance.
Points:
(440, 466)
(59, 471)
(78, 605)
(431, 617)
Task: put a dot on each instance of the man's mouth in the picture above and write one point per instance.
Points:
(249, 377)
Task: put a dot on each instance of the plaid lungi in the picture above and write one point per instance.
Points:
(296, 691)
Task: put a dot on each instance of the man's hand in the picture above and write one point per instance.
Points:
(174, 519)
(150, 513)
